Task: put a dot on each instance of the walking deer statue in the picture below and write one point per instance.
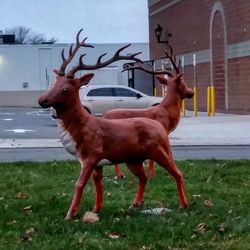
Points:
(96, 141)
(168, 111)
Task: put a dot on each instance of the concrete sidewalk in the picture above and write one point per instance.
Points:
(222, 129)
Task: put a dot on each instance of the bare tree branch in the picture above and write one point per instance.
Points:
(23, 35)
(36, 39)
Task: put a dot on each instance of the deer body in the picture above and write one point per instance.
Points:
(95, 140)
(140, 140)
(167, 112)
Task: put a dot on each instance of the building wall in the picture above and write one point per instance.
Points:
(26, 71)
(218, 33)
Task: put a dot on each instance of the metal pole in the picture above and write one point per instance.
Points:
(208, 100)
(195, 89)
(183, 101)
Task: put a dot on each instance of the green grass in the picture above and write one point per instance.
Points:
(218, 216)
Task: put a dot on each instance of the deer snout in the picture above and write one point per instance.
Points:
(43, 102)
(190, 94)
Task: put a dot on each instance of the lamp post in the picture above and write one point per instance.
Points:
(158, 32)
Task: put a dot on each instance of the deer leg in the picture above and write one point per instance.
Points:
(151, 168)
(97, 179)
(138, 170)
(118, 172)
(168, 163)
(79, 187)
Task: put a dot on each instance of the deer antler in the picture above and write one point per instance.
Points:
(172, 58)
(150, 71)
(72, 52)
(99, 64)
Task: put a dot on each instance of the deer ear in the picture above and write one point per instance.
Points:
(85, 79)
(178, 78)
(162, 80)
(58, 72)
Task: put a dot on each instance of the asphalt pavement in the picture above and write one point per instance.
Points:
(207, 133)
(218, 130)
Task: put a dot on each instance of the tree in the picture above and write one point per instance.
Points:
(39, 38)
(23, 35)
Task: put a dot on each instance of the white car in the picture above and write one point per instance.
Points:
(97, 99)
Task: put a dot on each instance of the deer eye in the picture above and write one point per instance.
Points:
(65, 90)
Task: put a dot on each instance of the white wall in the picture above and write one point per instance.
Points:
(34, 64)
(28, 63)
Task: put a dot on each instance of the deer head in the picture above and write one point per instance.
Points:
(174, 81)
(63, 92)
(178, 85)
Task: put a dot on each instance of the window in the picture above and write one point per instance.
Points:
(125, 92)
(101, 92)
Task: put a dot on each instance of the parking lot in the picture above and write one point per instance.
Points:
(31, 134)
(26, 123)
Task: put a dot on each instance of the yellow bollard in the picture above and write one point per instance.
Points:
(163, 91)
(195, 101)
(212, 101)
(183, 107)
(154, 91)
(208, 100)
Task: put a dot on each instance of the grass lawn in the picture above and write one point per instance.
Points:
(34, 198)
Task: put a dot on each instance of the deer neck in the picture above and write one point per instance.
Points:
(172, 100)
(66, 112)
(74, 116)
(70, 122)
(172, 104)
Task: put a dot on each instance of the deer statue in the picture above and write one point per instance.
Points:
(168, 111)
(97, 141)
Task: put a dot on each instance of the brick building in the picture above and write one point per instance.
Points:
(213, 40)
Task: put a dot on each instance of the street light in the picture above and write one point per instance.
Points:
(158, 32)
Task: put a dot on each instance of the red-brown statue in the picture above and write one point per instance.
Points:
(97, 141)
(167, 112)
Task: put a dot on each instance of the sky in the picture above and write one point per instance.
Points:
(103, 21)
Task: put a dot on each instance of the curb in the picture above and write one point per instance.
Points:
(56, 143)
(30, 143)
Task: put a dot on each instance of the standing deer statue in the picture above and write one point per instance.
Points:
(97, 141)
(168, 111)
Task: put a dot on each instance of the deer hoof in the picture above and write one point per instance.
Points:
(95, 210)
(184, 205)
(69, 216)
(136, 205)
